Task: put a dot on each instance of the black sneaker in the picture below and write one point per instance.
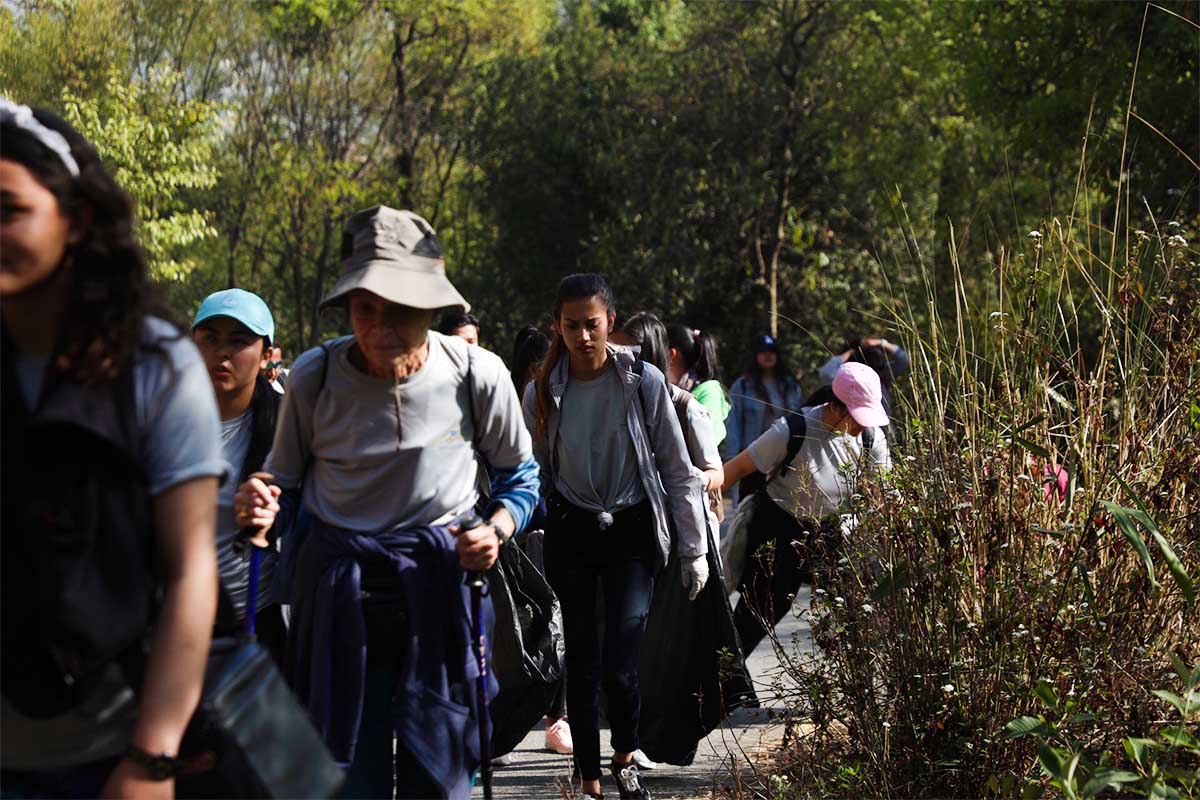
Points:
(629, 782)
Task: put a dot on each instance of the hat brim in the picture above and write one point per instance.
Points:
(870, 416)
(257, 330)
(407, 287)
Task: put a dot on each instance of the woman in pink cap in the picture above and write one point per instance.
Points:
(804, 458)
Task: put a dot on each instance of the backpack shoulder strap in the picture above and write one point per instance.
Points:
(470, 380)
(797, 431)
(639, 368)
(326, 355)
(682, 404)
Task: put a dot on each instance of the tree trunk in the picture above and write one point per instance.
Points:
(403, 33)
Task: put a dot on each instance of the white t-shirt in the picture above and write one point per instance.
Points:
(389, 453)
(824, 471)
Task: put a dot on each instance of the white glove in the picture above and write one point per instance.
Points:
(695, 574)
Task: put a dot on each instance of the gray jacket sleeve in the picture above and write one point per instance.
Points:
(680, 480)
(541, 452)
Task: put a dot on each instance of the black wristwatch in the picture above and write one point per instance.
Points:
(159, 768)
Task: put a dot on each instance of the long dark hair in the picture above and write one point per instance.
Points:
(580, 286)
(111, 292)
(648, 332)
(755, 373)
(529, 347)
(698, 349)
(874, 356)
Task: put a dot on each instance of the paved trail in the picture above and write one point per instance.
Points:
(537, 774)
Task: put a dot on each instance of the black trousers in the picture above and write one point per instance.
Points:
(602, 578)
(778, 561)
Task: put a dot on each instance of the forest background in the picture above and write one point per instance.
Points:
(787, 165)
(1008, 189)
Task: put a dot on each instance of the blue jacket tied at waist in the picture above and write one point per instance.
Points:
(435, 706)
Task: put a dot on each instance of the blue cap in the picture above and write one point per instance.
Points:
(246, 307)
(763, 343)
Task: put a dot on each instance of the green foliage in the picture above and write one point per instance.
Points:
(981, 633)
(160, 151)
(740, 166)
(1162, 766)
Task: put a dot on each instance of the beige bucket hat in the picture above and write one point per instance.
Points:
(396, 255)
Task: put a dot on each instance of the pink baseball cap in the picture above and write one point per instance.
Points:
(857, 385)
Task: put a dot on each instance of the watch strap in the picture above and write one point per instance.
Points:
(158, 767)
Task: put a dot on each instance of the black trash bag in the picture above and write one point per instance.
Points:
(528, 653)
(693, 672)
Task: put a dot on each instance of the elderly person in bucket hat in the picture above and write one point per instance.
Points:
(804, 457)
(372, 468)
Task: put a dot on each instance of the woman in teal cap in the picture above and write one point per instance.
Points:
(234, 332)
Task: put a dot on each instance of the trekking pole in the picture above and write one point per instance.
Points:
(252, 583)
(252, 588)
(478, 584)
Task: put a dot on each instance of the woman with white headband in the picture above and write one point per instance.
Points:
(111, 462)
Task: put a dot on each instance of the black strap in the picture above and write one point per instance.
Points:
(326, 354)
(797, 431)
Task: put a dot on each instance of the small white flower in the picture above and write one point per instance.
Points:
(820, 591)
(948, 688)
(1037, 639)
(1047, 573)
(1005, 546)
(1035, 235)
(1173, 224)
(887, 724)
(971, 626)
(841, 601)
(868, 608)
(1070, 606)
(1176, 241)
(843, 561)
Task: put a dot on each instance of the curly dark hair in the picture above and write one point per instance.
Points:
(111, 291)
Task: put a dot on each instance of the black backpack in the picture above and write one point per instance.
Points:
(80, 581)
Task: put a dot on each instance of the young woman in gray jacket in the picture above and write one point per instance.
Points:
(614, 466)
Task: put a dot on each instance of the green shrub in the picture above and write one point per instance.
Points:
(971, 593)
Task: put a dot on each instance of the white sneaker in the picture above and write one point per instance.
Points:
(643, 761)
(505, 760)
(558, 738)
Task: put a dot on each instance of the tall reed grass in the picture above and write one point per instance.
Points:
(1024, 579)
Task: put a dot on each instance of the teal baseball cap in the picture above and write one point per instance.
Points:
(246, 307)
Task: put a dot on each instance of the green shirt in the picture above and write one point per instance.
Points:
(712, 396)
